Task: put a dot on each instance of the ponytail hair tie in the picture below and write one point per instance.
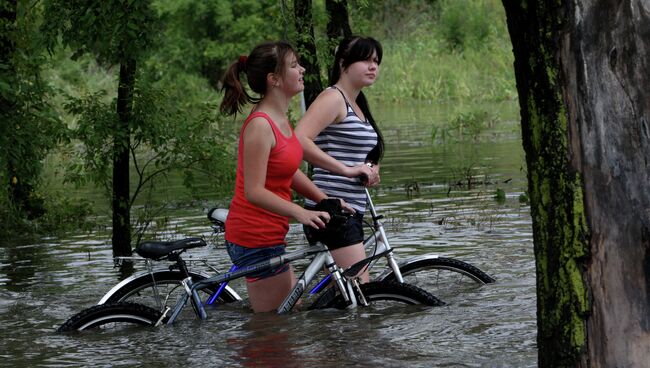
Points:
(242, 62)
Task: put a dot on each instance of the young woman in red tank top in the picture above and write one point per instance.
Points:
(269, 156)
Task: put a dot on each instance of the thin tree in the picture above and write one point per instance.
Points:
(338, 25)
(582, 75)
(306, 44)
(114, 32)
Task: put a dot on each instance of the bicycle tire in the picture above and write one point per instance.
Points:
(446, 277)
(115, 315)
(140, 289)
(380, 291)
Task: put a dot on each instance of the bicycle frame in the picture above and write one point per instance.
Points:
(381, 241)
(322, 258)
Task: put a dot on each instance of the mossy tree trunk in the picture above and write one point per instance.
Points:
(582, 77)
(338, 26)
(306, 44)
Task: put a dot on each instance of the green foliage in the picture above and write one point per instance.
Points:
(66, 214)
(500, 195)
(204, 37)
(431, 55)
(466, 23)
(465, 126)
(30, 127)
(112, 30)
(391, 19)
(165, 138)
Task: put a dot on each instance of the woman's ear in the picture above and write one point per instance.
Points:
(272, 80)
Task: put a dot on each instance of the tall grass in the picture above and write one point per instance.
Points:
(453, 50)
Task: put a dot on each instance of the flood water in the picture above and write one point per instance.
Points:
(429, 209)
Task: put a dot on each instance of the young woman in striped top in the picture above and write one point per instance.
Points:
(341, 140)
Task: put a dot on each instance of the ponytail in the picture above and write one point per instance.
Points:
(268, 57)
(235, 95)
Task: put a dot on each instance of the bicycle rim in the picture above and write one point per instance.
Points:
(447, 278)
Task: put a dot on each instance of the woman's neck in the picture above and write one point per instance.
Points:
(348, 89)
(274, 104)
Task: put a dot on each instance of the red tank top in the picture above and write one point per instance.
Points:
(251, 226)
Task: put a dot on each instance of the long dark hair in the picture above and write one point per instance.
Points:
(265, 58)
(350, 50)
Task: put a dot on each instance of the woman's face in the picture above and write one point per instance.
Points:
(363, 73)
(292, 80)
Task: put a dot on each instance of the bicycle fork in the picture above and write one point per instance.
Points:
(383, 245)
(383, 239)
(191, 295)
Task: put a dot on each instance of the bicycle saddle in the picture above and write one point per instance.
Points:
(161, 249)
(218, 215)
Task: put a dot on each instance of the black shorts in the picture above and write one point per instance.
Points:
(352, 233)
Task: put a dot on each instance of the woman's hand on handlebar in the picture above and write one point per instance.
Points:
(368, 174)
(315, 219)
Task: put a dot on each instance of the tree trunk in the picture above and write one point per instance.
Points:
(307, 49)
(338, 26)
(121, 144)
(582, 77)
(606, 59)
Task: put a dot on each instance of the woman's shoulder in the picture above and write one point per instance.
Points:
(259, 122)
(330, 95)
(330, 100)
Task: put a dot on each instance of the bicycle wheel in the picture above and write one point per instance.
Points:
(380, 293)
(446, 277)
(111, 316)
(142, 289)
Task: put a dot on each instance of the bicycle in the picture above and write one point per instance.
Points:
(347, 292)
(442, 275)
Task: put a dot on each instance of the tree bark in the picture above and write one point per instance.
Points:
(582, 77)
(338, 26)
(307, 49)
(121, 143)
(605, 57)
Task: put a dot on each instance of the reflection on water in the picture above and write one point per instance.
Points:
(428, 208)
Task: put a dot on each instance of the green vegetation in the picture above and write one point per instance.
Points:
(452, 50)
(465, 126)
(65, 104)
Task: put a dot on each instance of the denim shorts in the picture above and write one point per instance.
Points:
(351, 233)
(243, 256)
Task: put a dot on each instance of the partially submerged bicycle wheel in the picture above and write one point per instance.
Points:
(447, 278)
(380, 293)
(111, 317)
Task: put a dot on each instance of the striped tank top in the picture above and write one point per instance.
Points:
(348, 141)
